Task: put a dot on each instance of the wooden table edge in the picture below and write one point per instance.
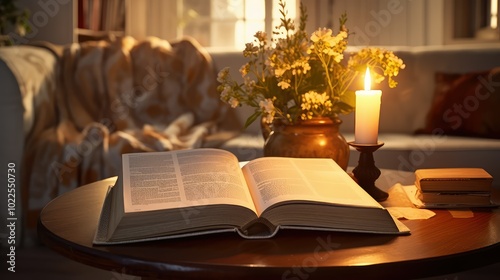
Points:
(125, 264)
(182, 270)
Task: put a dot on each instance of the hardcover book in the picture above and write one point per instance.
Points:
(453, 180)
(455, 198)
(201, 191)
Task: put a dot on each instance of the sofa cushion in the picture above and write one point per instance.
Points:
(465, 104)
(34, 69)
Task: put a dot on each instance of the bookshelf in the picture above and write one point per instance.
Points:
(57, 21)
(98, 19)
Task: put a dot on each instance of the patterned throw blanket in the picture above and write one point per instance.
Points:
(119, 97)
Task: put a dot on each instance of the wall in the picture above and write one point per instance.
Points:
(391, 22)
(148, 17)
(51, 20)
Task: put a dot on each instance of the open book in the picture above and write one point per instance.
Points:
(200, 191)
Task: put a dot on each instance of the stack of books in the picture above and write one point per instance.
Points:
(443, 187)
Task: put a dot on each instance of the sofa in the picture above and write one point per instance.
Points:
(70, 112)
(411, 121)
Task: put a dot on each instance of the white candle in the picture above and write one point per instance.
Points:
(367, 113)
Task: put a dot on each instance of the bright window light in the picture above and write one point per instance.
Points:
(231, 23)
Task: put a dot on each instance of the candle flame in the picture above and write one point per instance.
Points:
(368, 80)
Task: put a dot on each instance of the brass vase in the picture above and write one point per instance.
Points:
(315, 138)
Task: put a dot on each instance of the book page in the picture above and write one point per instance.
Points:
(275, 180)
(163, 180)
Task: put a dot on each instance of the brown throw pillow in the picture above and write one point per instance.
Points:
(465, 105)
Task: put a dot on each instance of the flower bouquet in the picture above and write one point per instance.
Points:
(296, 77)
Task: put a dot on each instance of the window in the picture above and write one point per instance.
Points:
(229, 23)
(472, 21)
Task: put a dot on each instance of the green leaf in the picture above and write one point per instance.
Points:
(349, 98)
(252, 118)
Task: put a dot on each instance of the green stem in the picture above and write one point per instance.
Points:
(325, 66)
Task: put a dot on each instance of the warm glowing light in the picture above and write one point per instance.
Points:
(367, 113)
(494, 14)
(368, 79)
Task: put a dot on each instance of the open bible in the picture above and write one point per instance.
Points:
(200, 191)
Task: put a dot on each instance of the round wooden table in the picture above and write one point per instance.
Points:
(439, 245)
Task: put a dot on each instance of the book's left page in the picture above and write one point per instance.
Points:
(185, 178)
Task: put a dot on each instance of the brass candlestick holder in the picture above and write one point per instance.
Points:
(366, 173)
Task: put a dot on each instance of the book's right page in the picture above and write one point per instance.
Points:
(273, 180)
